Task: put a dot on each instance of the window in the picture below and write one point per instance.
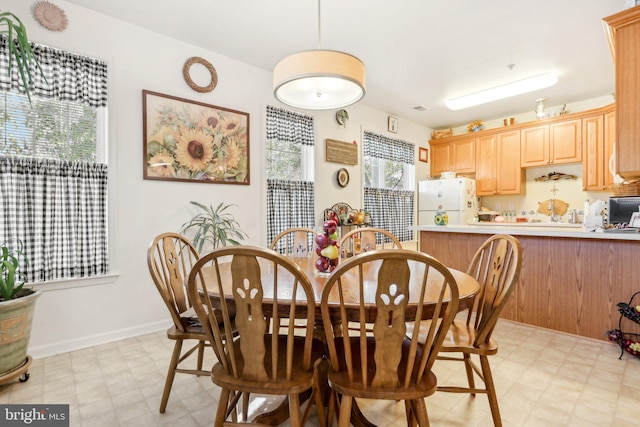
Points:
(53, 171)
(389, 184)
(290, 145)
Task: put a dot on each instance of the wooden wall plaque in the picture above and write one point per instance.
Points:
(341, 152)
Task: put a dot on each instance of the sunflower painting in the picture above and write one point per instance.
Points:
(190, 141)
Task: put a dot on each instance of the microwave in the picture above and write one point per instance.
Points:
(621, 208)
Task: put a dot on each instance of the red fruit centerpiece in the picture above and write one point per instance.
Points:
(327, 247)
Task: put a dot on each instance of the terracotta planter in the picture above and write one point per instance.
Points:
(16, 317)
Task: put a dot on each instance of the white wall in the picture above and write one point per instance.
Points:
(140, 209)
(361, 118)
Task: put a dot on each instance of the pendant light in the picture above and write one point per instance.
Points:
(319, 79)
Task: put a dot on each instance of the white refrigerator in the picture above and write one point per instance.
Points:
(456, 196)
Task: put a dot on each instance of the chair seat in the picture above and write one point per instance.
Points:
(341, 383)
(300, 381)
(460, 338)
(190, 333)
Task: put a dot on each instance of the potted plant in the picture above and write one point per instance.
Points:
(19, 49)
(215, 226)
(16, 310)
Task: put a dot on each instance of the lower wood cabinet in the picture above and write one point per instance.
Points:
(566, 284)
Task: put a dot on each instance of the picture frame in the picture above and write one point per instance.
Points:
(191, 141)
(635, 220)
(423, 154)
(392, 124)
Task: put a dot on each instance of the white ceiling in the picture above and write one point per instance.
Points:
(417, 52)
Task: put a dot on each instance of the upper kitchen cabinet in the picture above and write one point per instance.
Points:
(551, 144)
(464, 155)
(440, 158)
(565, 142)
(598, 138)
(456, 154)
(498, 168)
(623, 30)
(534, 146)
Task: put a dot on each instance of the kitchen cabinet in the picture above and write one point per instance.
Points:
(456, 155)
(552, 144)
(565, 142)
(598, 138)
(498, 164)
(534, 146)
(440, 158)
(562, 285)
(623, 30)
(464, 155)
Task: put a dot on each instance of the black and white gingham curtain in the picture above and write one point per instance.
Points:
(390, 209)
(58, 210)
(289, 203)
(381, 147)
(289, 126)
(67, 76)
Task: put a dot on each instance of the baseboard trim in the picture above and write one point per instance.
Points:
(93, 340)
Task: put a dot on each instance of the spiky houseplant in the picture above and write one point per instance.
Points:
(11, 278)
(17, 305)
(215, 226)
(19, 49)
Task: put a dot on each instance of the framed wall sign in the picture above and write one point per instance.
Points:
(341, 152)
(194, 142)
(392, 124)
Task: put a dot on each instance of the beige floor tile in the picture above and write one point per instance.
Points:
(543, 378)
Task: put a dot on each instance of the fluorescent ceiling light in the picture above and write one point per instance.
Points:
(505, 91)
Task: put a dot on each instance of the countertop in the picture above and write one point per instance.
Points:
(531, 230)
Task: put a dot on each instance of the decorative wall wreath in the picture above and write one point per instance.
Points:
(208, 66)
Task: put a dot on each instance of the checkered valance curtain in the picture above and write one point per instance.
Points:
(58, 210)
(290, 203)
(56, 207)
(289, 126)
(381, 147)
(390, 209)
(67, 76)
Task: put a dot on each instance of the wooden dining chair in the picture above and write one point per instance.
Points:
(295, 242)
(386, 288)
(366, 239)
(234, 279)
(170, 258)
(496, 265)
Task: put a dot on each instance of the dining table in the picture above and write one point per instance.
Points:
(468, 287)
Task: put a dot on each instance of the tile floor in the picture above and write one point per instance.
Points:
(543, 378)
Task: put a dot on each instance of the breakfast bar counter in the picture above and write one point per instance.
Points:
(570, 281)
(534, 229)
